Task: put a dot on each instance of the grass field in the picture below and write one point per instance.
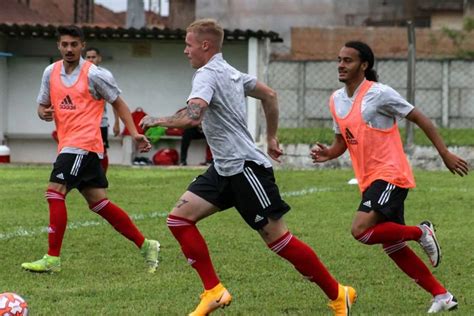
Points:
(103, 274)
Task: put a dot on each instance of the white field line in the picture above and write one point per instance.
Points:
(307, 191)
(24, 232)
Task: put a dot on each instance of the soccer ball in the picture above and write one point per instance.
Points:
(12, 304)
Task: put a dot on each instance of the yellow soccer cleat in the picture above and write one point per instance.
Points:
(46, 264)
(217, 297)
(150, 250)
(343, 303)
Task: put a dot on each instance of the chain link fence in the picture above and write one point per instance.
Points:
(444, 92)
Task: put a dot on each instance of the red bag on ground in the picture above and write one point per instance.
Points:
(166, 157)
(137, 116)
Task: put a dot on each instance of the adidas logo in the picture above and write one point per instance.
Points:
(67, 104)
(367, 203)
(350, 137)
(258, 218)
(191, 261)
(60, 176)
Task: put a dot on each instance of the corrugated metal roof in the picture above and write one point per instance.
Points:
(113, 33)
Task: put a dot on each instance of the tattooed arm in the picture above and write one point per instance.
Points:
(189, 116)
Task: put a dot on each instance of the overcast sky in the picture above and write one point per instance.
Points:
(114, 5)
(121, 5)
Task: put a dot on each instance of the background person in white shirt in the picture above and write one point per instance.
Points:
(93, 55)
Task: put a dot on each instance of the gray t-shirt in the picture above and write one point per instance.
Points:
(381, 106)
(224, 123)
(102, 85)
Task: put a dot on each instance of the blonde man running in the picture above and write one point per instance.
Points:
(241, 175)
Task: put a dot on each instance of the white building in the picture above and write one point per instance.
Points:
(148, 64)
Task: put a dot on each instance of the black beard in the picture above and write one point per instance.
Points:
(70, 62)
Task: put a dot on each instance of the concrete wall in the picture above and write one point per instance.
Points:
(283, 15)
(447, 19)
(386, 42)
(274, 15)
(155, 76)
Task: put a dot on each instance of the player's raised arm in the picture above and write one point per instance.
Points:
(187, 117)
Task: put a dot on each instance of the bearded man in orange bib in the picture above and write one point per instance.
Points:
(365, 115)
(72, 94)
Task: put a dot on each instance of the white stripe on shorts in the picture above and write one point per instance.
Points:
(386, 194)
(76, 165)
(257, 187)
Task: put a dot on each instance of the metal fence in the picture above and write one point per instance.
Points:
(444, 90)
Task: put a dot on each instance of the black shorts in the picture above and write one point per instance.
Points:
(78, 171)
(252, 192)
(385, 198)
(104, 132)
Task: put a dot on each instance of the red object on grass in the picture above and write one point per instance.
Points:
(166, 157)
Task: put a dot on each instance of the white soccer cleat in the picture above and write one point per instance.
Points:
(429, 243)
(446, 302)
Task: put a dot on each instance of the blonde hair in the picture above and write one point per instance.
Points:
(207, 29)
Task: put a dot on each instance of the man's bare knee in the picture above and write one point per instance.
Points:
(273, 230)
(364, 221)
(357, 230)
